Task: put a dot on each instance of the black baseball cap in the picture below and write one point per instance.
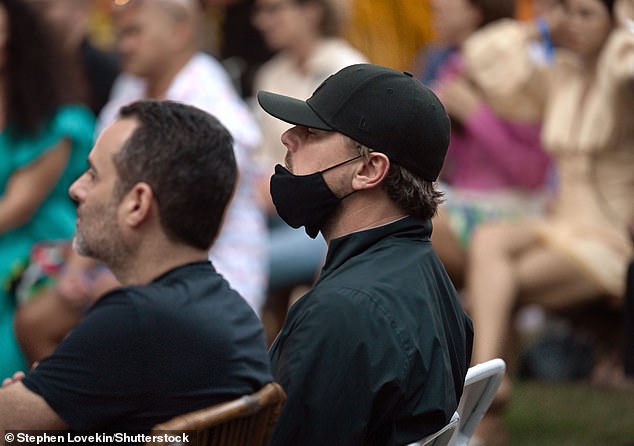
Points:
(384, 109)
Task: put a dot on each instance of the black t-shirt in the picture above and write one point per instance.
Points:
(144, 354)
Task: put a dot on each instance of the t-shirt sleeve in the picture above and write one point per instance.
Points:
(96, 373)
(73, 122)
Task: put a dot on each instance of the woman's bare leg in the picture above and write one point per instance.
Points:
(491, 285)
(509, 264)
(549, 278)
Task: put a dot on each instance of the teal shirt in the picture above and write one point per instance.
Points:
(54, 219)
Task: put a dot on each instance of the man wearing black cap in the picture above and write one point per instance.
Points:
(376, 353)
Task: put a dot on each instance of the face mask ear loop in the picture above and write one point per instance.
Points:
(340, 164)
(347, 195)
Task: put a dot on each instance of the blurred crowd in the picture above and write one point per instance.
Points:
(538, 218)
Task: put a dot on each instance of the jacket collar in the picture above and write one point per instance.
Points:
(343, 248)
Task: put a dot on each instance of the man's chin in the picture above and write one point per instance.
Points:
(134, 70)
(80, 247)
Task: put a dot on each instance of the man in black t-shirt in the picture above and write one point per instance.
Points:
(175, 337)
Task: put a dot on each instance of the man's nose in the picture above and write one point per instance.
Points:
(290, 138)
(76, 191)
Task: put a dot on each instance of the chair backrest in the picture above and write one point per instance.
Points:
(481, 384)
(245, 421)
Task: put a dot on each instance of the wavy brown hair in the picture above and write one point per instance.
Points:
(413, 195)
(33, 71)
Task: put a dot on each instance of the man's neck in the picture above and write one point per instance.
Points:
(362, 213)
(303, 50)
(152, 263)
(159, 83)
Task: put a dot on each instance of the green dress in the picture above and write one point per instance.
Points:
(55, 218)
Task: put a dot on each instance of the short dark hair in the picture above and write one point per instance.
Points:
(414, 195)
(411, 193)
(186, 156)
(34, 69)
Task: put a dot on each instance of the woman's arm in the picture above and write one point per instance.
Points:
(29, 186)
(500, 60)
(521, 160)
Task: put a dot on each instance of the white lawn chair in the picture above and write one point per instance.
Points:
(481, 384)
(443, 436)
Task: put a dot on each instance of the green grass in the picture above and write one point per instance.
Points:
(570, 414)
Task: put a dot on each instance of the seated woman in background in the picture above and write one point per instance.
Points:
(495, 167)
(44, 141)
(305, 34)
(580, 250)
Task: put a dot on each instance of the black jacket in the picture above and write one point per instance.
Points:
(376, 353)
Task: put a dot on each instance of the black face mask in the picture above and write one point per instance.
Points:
(304, 200)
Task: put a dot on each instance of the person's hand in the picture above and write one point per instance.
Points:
(460, 98)
(81, 285)
(17, 376)
(73, 287)
(102, 281)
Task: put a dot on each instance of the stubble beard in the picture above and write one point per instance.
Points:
(103, 241)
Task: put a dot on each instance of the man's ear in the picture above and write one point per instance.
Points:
(372, 172)
(137, 204)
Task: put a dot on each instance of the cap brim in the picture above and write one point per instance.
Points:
(291, 110)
